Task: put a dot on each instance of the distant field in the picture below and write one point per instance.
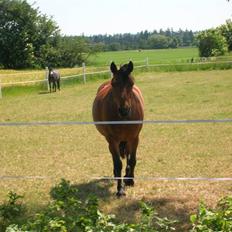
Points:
(139, 56)
(102, 60)
(79, 153)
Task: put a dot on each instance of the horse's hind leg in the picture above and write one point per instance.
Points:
(131, 162)
(58, 84)
(122, 149)
(54, 86)
(114, 149)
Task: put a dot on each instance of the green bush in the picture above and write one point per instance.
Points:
(219, 219)
(67, 213)
(212, 43)
(11, 210)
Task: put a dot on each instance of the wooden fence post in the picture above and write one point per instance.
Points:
(147, 62)
(46, 78)
(0, 88)
(84, 72)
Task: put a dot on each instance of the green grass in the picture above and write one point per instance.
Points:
(177, 60)
(102, 60)
(154, 56)
(79, 153)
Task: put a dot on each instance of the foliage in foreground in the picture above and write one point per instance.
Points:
(219, 219)
(67, 213)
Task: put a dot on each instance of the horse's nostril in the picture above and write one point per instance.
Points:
(124, 111)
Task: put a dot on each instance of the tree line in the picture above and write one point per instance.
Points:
(30, 39)
(145, 40)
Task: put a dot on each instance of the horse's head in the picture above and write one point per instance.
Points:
(122, 85)
(50, 70)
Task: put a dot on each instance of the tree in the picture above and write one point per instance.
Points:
(23, 31)
(211, 43)
(158, 41)
(15, 39)
(115, 46)
(74, 51)
(226, 31)
(187, 38)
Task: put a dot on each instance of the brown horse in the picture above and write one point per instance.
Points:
(120, 100)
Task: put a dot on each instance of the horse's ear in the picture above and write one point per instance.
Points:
(113, 68)
(130, 67)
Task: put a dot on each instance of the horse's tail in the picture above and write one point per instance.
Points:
(122, 149)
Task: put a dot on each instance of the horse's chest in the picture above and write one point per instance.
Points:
(124, 132)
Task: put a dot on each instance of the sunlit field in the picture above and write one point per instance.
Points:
(101, 61)
(79, 153)
(159, 60)
(157, 56)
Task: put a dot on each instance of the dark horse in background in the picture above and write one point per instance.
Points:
(120, 100)
(53, 79)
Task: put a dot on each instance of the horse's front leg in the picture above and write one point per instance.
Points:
(114, 149)
(58, 84)
(131, 162)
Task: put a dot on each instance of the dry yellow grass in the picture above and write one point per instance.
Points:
(79, 153)
(12, 76)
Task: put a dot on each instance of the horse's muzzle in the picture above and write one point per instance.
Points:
(124, 111)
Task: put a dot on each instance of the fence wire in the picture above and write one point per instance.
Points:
(139, 178)
(152, 178)
(23, 177)
(66, 123)
(148, 178)
(5, 84)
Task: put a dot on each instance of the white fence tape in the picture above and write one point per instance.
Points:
(66, 123)
(107, 71)
(21, 82)
(139, 178)
(152, 178)
(23, 177)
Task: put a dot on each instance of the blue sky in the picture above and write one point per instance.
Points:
(90, 17)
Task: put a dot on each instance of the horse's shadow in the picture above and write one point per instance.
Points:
(164, 207)
(44, 92)
(98, 188)
(127, 208)
(130, 206)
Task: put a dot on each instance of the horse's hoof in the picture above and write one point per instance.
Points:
(129, 182)
(121, 193)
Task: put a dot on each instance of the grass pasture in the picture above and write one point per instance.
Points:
(102, 60)
(156, 56)
(161, 60)
(12, 76)
(79, 153)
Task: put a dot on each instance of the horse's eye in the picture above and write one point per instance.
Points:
(130, 86)
(114, 82)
